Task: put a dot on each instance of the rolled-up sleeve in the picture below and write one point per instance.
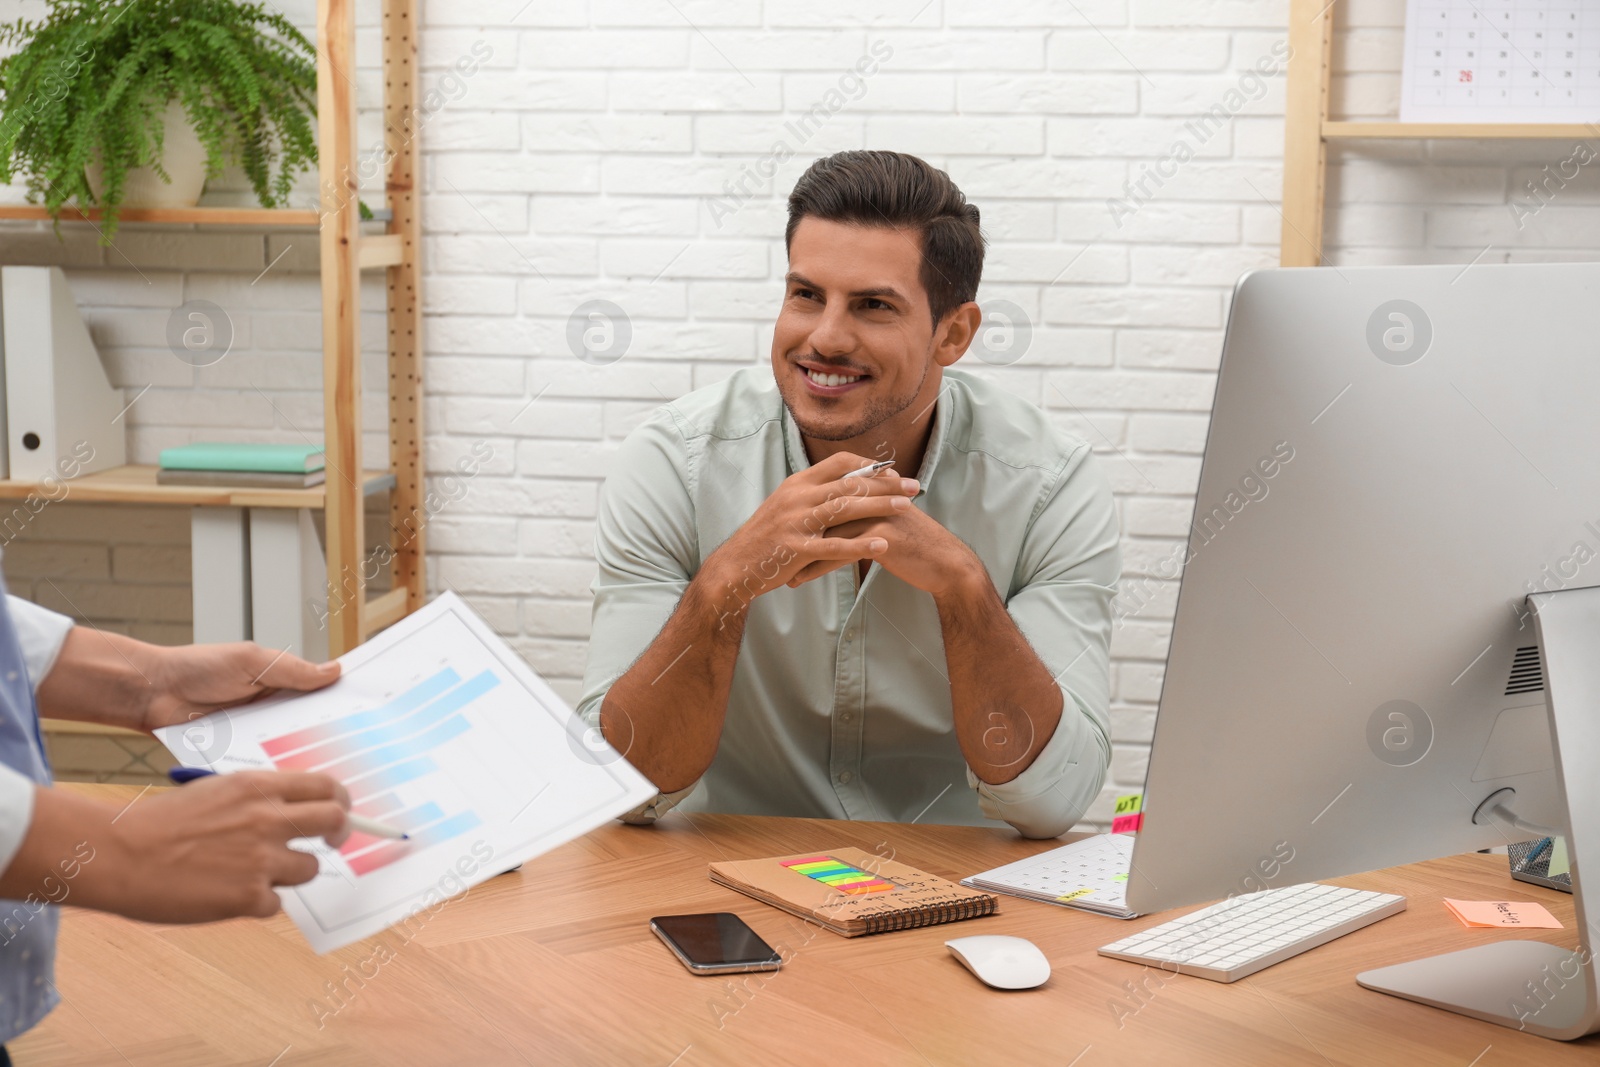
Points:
(16, 813)
(41, 633)
(647, 549)
(1066, 580)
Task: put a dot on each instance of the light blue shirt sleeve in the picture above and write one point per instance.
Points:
(646, 548)
(41, 633)
(1063, 608)
(30, 641)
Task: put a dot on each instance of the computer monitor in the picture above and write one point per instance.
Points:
(1397, 458)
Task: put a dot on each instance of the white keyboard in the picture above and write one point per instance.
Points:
(1245, 934)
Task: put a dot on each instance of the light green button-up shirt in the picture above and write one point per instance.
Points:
(840, 706)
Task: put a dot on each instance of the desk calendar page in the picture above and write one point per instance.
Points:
(1501, 61)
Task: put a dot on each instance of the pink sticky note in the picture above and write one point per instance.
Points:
(1496, 913)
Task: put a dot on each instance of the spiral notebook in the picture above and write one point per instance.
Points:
(852, 892)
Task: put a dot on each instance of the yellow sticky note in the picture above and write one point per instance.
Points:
(1498, 913)
(1559, 863)
(1129, 804)
(1075, 896)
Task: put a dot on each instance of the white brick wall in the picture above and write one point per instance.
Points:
(625, 150)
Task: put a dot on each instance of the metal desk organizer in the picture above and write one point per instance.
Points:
(1530, 862)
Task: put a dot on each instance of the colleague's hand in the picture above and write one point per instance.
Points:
(800, 525)
(189, 681)
(214, 849)
(920, 552)
(114, 679)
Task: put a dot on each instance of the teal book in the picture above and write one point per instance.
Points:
(215, 456)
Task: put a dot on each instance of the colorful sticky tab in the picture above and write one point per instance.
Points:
(1128, 816)
(1127, 824)
(1075, 895)
(1498, 913)
(841, 876)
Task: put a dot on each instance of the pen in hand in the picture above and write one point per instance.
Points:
(371, 827)
(869, 469)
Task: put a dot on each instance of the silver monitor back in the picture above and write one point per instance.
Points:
(1397, 457)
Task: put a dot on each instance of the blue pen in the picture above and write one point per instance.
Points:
(372, 827)
(1531, 857)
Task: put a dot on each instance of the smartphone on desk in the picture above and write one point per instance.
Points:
(715, 943)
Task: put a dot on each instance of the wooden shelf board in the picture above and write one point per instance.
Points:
(205, 216)
(136, 484)
(1545, 131)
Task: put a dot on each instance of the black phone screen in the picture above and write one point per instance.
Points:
(715, 938)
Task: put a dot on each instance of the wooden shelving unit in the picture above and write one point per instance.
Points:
(1307, 131)
(345, 252)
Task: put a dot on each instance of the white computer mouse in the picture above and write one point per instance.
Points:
(1002, 962)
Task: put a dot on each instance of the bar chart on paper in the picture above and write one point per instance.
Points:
(378, 751)
(437, 728)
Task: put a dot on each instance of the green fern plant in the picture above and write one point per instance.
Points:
(91, 81)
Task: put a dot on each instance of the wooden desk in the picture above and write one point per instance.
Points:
(554, 965)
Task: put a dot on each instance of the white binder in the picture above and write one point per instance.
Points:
(63, 417)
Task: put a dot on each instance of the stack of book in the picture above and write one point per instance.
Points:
(247, 465)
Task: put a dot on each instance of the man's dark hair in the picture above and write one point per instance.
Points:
(879, 188)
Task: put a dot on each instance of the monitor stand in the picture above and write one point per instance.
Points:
(1530, 985)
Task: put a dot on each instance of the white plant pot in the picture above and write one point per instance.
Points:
(184, 159)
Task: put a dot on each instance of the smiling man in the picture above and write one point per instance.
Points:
(777, 632)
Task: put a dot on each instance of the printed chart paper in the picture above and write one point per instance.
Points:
(1501, 61)
(438, 728)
